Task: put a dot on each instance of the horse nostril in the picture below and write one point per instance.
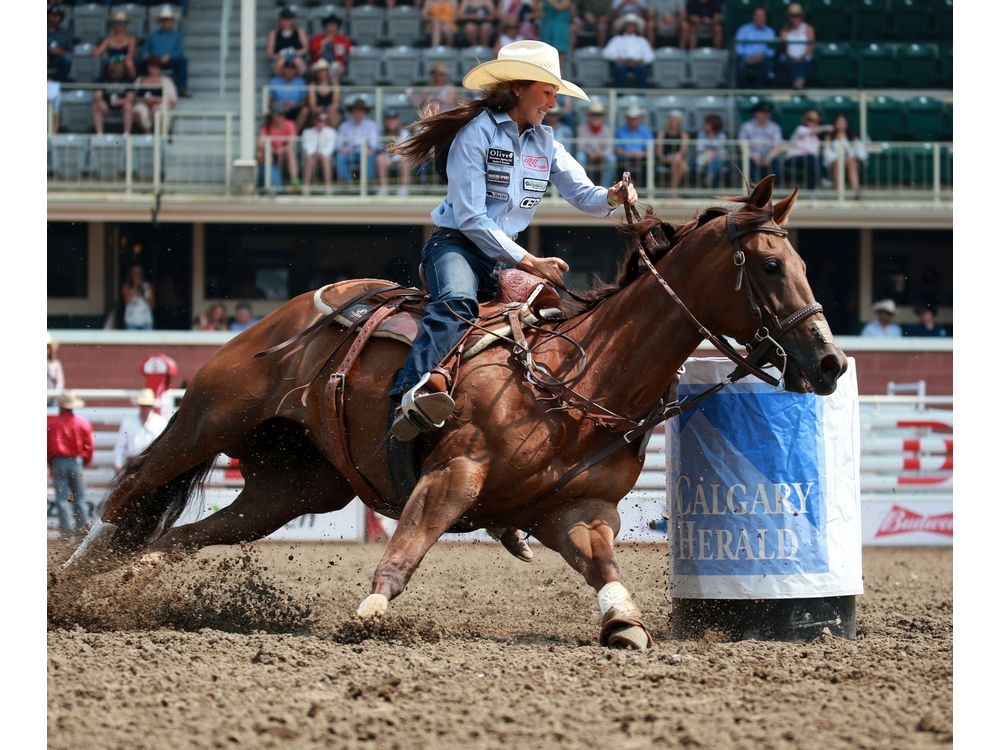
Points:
(833, 366)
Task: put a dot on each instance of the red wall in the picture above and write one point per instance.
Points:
(117, 366)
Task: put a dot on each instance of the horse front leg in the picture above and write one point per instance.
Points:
(440, 498)
(584, 534)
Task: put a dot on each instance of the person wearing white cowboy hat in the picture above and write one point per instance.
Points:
(167, 45)
(69, 447)
(140, 429)
(629, 52)
(883, 326)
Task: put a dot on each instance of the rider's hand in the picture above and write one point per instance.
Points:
(622, 192)
(551, 269)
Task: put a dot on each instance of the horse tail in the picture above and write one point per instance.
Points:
(153, 514)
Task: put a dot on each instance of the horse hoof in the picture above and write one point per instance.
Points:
(375, 605)
(632, 637)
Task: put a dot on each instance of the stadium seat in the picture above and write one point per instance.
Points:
(925, 118)
(85, 68)
(365, 68)
(404, 25)
(398, 101)
(945, 75)
(107, 156)
(659, 106)
(69, 155)
(76, 114)
(878, 66)
(719, 105)
(834, 66)
(400, 66)
(316, 14)
(947, 120)
(911, 21)
(745, 105)
(872, 21)
(918, 167)
(470, 57)
(738, 12)
(90, 22)
(788, 113)
(142, 157)
(441, 53)
(590, 67)
(366, 24)
(839, 104)
(942, 20)
(708, 67)
(833, 20)
(885, 119)
(885, 165)
(670, 68)
(919, 67)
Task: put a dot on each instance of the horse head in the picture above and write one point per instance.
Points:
(770, 308)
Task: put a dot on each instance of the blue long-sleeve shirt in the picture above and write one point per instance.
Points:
(497, 178)
(751, 40)
(161, 43)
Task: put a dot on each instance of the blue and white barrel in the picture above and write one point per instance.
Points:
(764, 508)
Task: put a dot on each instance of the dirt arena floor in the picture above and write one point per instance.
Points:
(257, 647)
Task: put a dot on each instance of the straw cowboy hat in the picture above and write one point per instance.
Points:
(146, 397)
(51, 341)
(528, 60)
(885, 305)
(320, 64)
(630, 18)
(69, 400)
(596, 108)
(166, 12)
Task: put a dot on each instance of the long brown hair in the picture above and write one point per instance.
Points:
(432, 132)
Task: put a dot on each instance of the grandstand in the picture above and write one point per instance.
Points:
(885, 64)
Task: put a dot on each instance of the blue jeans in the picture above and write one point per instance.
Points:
(348, 163)
(620, 73)
(67, 481)
(456, 271)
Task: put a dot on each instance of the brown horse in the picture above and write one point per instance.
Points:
(519, 452)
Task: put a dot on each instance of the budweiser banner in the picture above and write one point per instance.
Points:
(907, 521)
(763, 489)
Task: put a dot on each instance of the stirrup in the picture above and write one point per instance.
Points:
(421, 411)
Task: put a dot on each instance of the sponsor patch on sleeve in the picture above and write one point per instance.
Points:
(535, 185)
(536, 163)
(496, 177)
(500, 156)
(497, 195)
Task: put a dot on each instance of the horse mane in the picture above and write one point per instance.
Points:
(658, 237)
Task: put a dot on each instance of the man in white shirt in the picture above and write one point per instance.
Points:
(630, 53)
(138, 430)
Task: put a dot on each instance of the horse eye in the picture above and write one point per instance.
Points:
(772, 265)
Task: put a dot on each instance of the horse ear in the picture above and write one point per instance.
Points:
(784, 207)
(761, 194)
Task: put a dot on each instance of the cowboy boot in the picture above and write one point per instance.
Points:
(421, 410)
(514, 541)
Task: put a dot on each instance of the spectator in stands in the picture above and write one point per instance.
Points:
(800, 41)
(119, 43)
(510, 31)
(138, 430)
(139, 297)
(764, 141)
(439, 95)
(53, 99)
(755, 52)
(213, 319)
(842, 149)
(332, 45)
(524, 11)
(441, 18)
(243, 318)
(319, 141)
(664, 30)
(595, 145)
(631, 138)
(152, 92)
(883, 326)
(593, 17)
(60, 41)
(56, 377)
(356, 131)
(287, 42)
(555, 17)
(276, 142)
(477, 20)
(387, 160)
(698, 15)
(710, 151)
(802, 157)
(641, 8)
(561, 129)
(324, 93)
(70, 447)
(117, 95)
(629, 53)
(672, 145)
(927, 325)
(289, 94)
(166, 44)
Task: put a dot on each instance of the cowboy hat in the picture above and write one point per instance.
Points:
(795, 10)
(119, 16)
(635, 111)
(527, 60)
(69, 400)
(596, 108)
(146, 397)
(319, 64)
(630, 18)
(166, 12)
(359, 103)
(885, 305)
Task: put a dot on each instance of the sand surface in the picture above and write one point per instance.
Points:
(258, 647)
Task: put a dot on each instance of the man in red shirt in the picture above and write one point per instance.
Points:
(70, 447)
(331, 45)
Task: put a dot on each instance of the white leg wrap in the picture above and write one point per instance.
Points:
(97, 540)
(611, 594)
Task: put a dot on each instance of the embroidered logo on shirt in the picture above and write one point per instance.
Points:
(535, 185)
(530, 202)
(536, 163)
(500, 156)
(494, 177)
(497, 195)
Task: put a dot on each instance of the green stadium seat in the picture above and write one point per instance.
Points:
(832, 106)
(918, 65)
(872, 21)
(878, 66)
(735, 13)
(886, 120)
(834, 66)
(948, 122)
(833, 20)
(911, 21)
(945, 77)
(941, 20)
(925, 118)
(745, 105)
(885, 165)
(918, 167)
(788, 113)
